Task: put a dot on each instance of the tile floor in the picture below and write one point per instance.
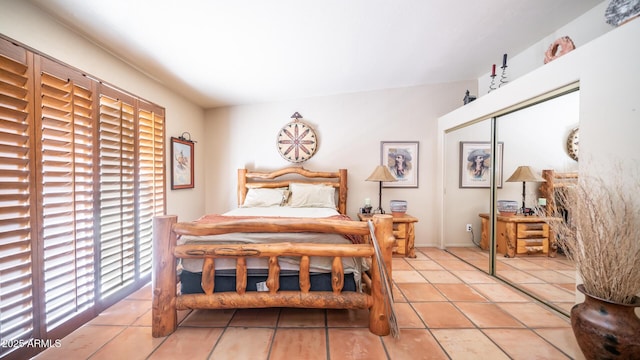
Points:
(550, 279)
(446, 309)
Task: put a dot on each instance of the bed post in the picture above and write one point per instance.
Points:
(342, 192)
(242, 186)
(378, 317)
(163, 308)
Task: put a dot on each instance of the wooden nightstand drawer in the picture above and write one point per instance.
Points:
(532, 246)
(532, 230)
(399, 230)
(403, 232)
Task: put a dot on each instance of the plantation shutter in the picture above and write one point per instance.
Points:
(150, 179)
(18, 222)
(117, 196)
(81, 178)
(66, 185)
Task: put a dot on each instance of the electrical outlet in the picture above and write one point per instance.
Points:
(469, 228)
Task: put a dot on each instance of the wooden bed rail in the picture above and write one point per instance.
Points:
(166, 252)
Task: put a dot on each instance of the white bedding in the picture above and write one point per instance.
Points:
(317, 264)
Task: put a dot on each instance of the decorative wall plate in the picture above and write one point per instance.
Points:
(572, 144)
(297, 141)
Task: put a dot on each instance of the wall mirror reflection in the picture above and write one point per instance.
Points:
(534, 160)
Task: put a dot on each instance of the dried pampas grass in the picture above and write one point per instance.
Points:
(601, 234)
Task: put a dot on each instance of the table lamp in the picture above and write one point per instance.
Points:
(524, 174)
(380, 174)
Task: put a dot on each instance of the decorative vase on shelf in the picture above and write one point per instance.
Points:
(605, 329)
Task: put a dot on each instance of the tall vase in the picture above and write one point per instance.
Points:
(606, 330)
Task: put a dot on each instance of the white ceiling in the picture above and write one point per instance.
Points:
(219, 52)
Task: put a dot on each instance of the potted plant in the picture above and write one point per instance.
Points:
(600, 232)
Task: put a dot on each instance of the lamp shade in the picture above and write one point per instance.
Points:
(524, 173)
(381, 173)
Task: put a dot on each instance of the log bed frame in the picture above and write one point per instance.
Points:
(167, 229)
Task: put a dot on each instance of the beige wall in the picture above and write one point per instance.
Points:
(26, 24)
(350, 128)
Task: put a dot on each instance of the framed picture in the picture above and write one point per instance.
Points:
(401, 158)
(476, 162)
(181, 164)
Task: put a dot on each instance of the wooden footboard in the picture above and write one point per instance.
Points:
(166, 302)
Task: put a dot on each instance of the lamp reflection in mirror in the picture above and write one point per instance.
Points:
(524, 174)
(380, 174)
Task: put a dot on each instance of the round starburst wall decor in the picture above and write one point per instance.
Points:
(297, 141)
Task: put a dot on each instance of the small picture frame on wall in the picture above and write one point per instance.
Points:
(401, 158)
(181, 164)
(476, 162)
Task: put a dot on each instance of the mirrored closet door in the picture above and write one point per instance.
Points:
(467, 167)
(535, 140)
(529, 138)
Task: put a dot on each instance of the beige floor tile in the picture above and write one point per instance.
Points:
(309, 344)
(420, 255)
(529, 344)
(425, 265)
(407, 317)
(421, 292)
(550, 292)
(441, 315)
(468, 344)
(125, 312)
(565, 307)
(535, 316)
(414, 344)
(397, 294)
(255, 317)
(564, 340)
(208, 318)
(355, 344)
(408, 276)
(553, 277)
(131, 344)
(454, 264)
(460, 292)
(436, 254)
(234, 345)
(522, 263)
(82, 343)
(348, 318)
(500, 293)
(488, 315)
(144, 320)
(482, 264)
(293, 317)
(188, 343)
(400, 264)
(474, 277)
(440, 277)
(145, 293)
(519, 277)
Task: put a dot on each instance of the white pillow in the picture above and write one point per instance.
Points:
(312, 195)
(265, 197)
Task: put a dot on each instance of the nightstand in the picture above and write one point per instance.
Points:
(403, 231)
(520, 235)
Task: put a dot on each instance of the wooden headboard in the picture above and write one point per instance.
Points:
(554, 181)
(283, 177)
